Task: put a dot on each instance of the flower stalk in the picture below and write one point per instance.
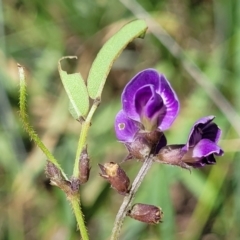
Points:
(128, 199)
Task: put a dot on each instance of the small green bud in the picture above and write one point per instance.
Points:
(149, 214)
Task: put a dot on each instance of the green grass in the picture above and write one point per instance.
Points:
(36, 34)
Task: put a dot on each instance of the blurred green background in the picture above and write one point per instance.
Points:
(203, 204)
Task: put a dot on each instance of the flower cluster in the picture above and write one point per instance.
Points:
(149, 107)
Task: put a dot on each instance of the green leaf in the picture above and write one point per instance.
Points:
(72, 111)
(76, 90)
(109, 52)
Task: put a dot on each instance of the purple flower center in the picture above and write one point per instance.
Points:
(207, 130)
(150, 107)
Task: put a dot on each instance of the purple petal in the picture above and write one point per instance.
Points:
(170, 101)
(211, 132)
(149, 106)
(146, 77)
(198, 164)
(161, 87)
(209, 159)
(125, 127)
(204, 161)
(204, 120)
(205, 148)
(197, 131)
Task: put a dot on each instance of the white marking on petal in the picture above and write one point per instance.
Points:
(121, 126)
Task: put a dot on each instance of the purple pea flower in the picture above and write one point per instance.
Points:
(150, 106)
(199, 149)
(149, 103)
(202, 143)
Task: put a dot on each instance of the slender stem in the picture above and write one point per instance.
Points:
(83, 136)
(75, 202)
(26, 123)
(127, 201)
(81, 145)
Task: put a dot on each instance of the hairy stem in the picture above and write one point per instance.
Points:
(26, 124)
(75, 202)
(81, 145)
(127, 201)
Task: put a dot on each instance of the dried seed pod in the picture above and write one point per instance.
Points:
(84, 168)
(116, 176)
(146, 213)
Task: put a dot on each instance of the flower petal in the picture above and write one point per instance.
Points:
(170, 101)
(198, 164)
(209, 160)
(197, 131)
(162, 87)
(211, 132)
(125, 127)
(146, 77)
(206, 147)
(149, 106)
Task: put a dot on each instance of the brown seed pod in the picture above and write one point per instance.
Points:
(116, 176)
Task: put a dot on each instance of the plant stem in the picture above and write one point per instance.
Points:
(74, 199)
(26, 124)
(75, 202)
(127, 201)
(83, 136)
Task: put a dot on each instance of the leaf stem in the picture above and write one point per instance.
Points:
(127, 201)
(75, 202)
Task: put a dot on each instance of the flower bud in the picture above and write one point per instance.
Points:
(56, 177)
(115, 176)
(75, 185)
(149, 214)
(84, 168)
(54, 174)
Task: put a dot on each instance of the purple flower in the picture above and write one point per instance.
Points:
(149, 104)
(202, 143)
(199, 149)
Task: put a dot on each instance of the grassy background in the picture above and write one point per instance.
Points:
(201, 205)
